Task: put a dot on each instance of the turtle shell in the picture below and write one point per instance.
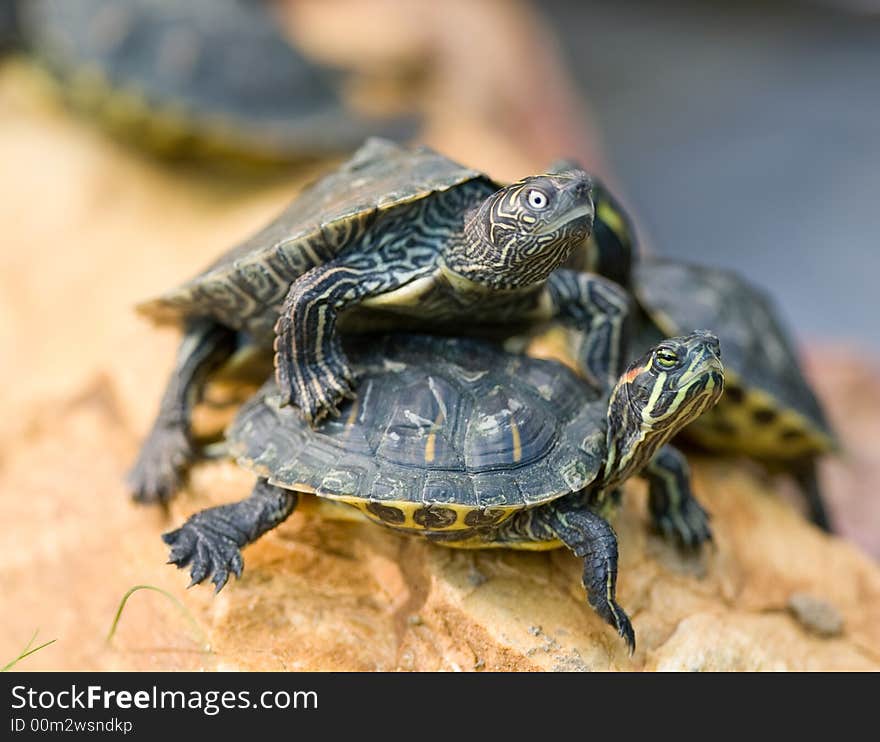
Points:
(381, 181)
(768, 410)
(215, 75)
(445, 434)
(9, 30)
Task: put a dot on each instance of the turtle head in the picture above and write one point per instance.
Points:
(610, 247)
(661, 392)
(674, 382)
(519, 235)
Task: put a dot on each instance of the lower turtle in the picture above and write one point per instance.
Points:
(769, 411)
(470, 446)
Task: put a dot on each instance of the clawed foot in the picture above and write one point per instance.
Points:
(207, 550)
(688, 524)
(617, 618)
(590, 537)
(317, 390)
(162, 465)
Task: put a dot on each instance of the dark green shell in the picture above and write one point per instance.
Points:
(9, 25)
(215, 74)
(446, 433)
(768, 409)
(382, 180)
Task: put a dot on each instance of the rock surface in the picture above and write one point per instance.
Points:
(89, 228)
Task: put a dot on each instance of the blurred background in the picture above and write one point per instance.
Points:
(746, 134)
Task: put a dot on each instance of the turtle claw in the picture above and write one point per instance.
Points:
(211, 554)
(210, 541)
(688, 525)
(162, 464)
(319, 395)
(221, 576)
(615, 616)
(625, 629)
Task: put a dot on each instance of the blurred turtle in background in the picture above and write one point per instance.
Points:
(201, 78)
(768, 411)
(9, 26)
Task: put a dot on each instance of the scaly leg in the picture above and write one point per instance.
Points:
(593, 539)
(674, 509)
(167, 452)
(600, 310)
(590, 537)
(212, 539)
(312, 371)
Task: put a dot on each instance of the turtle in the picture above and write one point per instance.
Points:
(202, 78)
(9, 25)
(470, 446)
(396, 237)
(769, 411)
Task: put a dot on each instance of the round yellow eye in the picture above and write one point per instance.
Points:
(666, 358)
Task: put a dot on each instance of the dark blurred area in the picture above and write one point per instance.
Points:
(745, 134)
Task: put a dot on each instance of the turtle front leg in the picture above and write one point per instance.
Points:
(312, 371)
(674, 509)
(168, 451)
(211, 540)
(571, 521)
(591, 537)
(600, 310)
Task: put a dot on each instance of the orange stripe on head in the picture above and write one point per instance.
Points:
(633, 373)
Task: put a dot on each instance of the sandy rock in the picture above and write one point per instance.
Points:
(709, 642)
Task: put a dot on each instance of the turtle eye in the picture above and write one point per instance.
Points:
(537, 199)
(665, 359)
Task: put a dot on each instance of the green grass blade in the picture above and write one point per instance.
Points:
(180, 606)
(27, 651)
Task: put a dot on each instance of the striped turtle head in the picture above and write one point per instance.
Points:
(674, 382)
(661, 392)
(519, 235)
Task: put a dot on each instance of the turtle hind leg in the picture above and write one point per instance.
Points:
(807, 478)
(210, 541)
(168, 451)
(675, 511)
(591, 537)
